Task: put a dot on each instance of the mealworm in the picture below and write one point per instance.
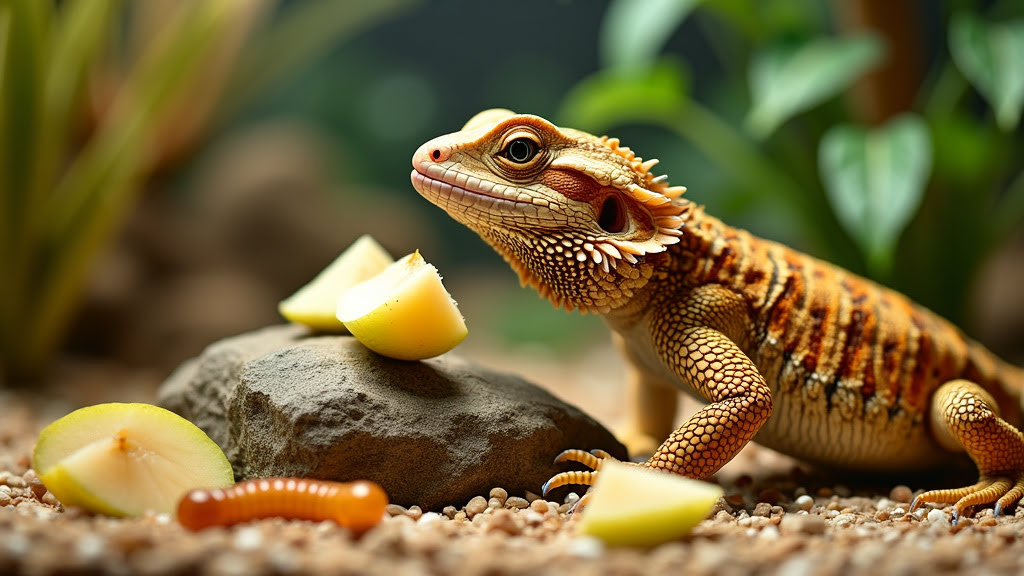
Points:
(357, 506)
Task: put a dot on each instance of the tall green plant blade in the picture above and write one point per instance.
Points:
(100, 184)
(875, 181)
(788, 79)
(991, 56)
(306, 30)
(633, 32)
(78, 37)
(20, 96)
(7, 305)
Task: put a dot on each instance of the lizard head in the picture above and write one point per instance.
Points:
(577, 216)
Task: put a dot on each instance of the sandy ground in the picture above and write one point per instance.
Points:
(778, 517)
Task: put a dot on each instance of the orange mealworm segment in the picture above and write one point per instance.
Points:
(357, 505)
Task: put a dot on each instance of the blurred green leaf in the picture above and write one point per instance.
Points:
(77, 40)
(991, 56)
(303, 31)
(96, 191)
(963, 149)
(788, 79)
(633, 32)
(608, 98)
(875, 181)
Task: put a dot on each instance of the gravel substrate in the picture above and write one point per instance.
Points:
(777, 523)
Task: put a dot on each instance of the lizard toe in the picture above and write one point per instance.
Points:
(592, 460)
(1003, 490)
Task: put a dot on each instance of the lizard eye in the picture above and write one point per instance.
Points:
(612, 217)
(521, 150)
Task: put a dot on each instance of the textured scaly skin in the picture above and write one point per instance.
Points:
(814, 361)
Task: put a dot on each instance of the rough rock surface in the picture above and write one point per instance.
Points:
(282, 402)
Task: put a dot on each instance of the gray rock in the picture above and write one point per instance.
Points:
(281, 402)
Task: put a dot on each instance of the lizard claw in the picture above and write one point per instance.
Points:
(592, 460)
(1004, 491)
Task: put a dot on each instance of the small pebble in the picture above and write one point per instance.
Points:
(762, 509)
(476, 506)
(5, 499)
(428, 518)
(937, 516)
(504, 521)
(804, 502)
(585, 547)
(414, 512)
(530, 496)
(90, 547)
(499, 493)
(571, 498)
(494, 503)
(901, 493)
(770, 532)
(882, 515)
(735, 500)
(803, 524)
(449, 511)
(395, 510)
(248, 538)
(516, 502)
(539, 506)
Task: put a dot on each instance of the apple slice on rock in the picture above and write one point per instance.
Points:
(404, 312)
(315, 304)
(633, 506)
(127, 459)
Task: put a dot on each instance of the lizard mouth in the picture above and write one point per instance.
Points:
(446, 186)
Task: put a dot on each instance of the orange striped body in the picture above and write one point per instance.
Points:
(355, 505)
(852, 365)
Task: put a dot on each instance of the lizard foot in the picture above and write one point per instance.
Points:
(1005, 491)
(592, 460)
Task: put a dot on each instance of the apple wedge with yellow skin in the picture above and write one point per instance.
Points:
(634, 506)
(315, 304)
(127, 459)
(404, 312)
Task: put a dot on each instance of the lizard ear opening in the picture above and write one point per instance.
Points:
(664, 228)
(612, 215)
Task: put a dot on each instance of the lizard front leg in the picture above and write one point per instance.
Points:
(697, 340)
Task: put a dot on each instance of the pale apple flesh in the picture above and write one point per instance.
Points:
(314, 304)
(404, 312)
(634, 506)
(127, 459)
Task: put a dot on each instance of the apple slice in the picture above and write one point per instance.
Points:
(633, 506)
(315, 303)
(127, 459)
(404, 312)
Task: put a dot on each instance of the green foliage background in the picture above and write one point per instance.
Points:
(746, 102)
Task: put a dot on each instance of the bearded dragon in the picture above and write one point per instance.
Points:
(800, 355)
